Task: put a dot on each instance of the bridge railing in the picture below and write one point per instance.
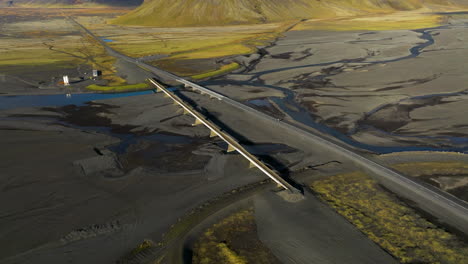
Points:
(232, 143)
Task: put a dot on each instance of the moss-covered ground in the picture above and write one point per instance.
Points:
(185, 47)
(389, 222)
(433, 168)
(224, 69)
(450, 176)
(119, 88)
(387, 21)
(46, 39)
(233, 240)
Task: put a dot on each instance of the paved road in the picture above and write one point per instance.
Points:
(446, 207)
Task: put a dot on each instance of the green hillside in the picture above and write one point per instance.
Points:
(67, 3)
(173, 13)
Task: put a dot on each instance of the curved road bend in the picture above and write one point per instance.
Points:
(446, 207)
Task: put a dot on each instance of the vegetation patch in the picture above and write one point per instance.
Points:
(216, 52)
(195, 43)
(98, 58)
(433, 168)
(224, 69)
(31, 53)
(142, 248)
(389, 222)
(197, 215)
(48, 39)
(119, 88)
(146, 244)
(392, 21)
(451, 177)
(58, 12)
(232, 241)
(180, 44)
(185, 45)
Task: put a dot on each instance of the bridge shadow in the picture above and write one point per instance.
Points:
(272, 162)
(214, 119)
(282, 170)
(187, 255)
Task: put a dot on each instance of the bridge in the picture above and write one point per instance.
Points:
(233, 145)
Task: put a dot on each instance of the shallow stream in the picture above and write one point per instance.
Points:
(288, 104)
(23, 101)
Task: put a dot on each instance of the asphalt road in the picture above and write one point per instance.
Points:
(447, 208)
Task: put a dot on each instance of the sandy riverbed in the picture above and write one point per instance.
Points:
(383, 88)
(85, 184)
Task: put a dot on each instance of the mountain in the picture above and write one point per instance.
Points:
(47, 3)
(174, 13)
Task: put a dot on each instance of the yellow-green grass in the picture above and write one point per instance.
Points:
(29, 47)
(33, 4)
(142, 247)
(433, 168)
(393, 21)
(183, 46)
(229, 255)
(224, 69)
(203, 211)
(135, 46)
(196, 42)
(189, 46)
(216, 52)
(388, 222)
(105, 63)
(67, 50)
(90, 52)
(28, 56)
(19, 60)
(50, 40)
(233, 240)
(45, 12)
(119, 88)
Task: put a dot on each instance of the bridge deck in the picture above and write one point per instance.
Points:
(233, 144)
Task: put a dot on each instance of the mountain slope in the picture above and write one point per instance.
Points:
(47, 3)
(222, 12)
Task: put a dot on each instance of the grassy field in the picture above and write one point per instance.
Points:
(433, 168)
(390, 21)
(224, 69)
(119, 88)
(38, 43)
(48, 40)
(194, 217)
(99, 59)
(389, 222)
(185, 47)
(177, 44)
(232, 241)
(146, 244)
(68, 51)
(199, 42)
(451, 177)
(42, 11)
